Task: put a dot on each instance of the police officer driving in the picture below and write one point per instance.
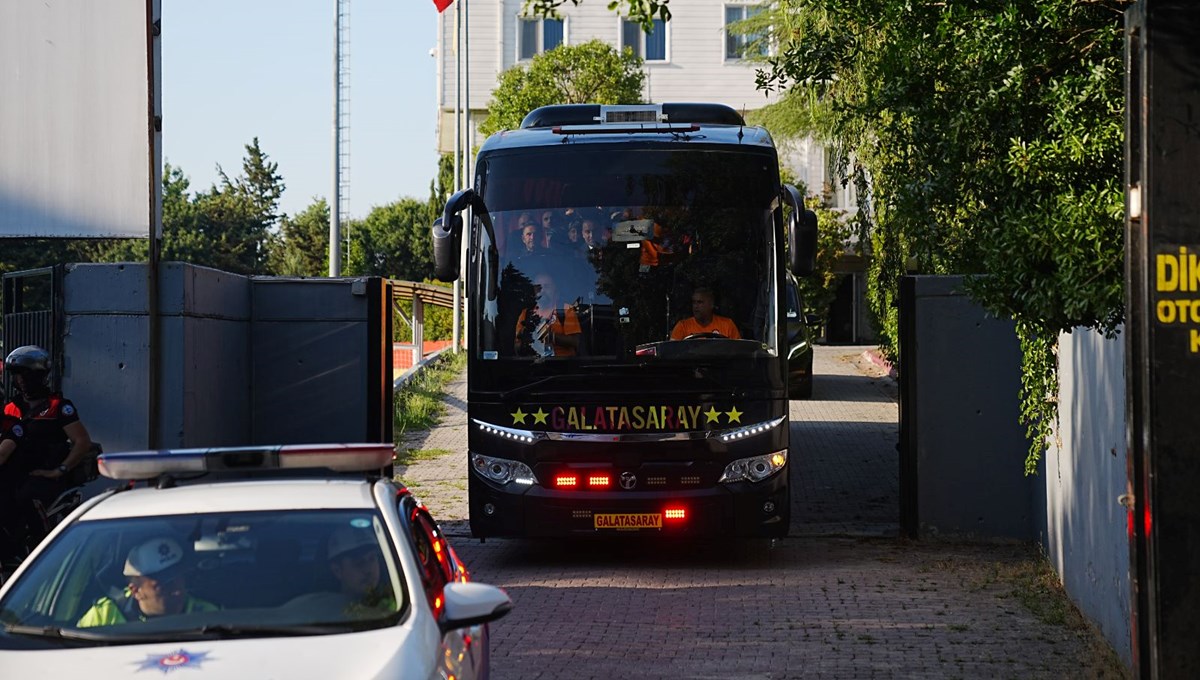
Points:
(157, 586)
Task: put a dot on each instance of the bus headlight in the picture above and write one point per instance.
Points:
(754, 469)
(502, 470)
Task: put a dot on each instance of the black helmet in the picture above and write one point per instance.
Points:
(28, 359)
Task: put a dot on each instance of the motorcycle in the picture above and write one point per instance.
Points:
(83, 482)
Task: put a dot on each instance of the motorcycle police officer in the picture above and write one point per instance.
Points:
(54, 441)
(11, 434)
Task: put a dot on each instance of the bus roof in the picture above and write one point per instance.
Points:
(683, 124)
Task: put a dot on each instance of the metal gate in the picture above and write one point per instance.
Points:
(33, 316)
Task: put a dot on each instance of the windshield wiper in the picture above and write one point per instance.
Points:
(58, 633)
(528, 387)
(226, 631)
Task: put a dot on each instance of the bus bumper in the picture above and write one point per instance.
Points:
(743, 509)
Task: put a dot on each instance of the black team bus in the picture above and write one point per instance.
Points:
(627, 365)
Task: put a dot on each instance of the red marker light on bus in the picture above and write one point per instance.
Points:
(599, 480)
(566, 481)
(675, 513)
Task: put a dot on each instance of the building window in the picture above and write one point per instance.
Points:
(652, 46)
(737, 45)
(535, 36)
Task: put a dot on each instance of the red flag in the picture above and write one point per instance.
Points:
(442, 5)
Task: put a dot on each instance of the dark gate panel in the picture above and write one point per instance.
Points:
(962, 447)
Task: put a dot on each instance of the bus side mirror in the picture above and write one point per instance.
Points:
(447, 244)
(801, 234)
(804, 259)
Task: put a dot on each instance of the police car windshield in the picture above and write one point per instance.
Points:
(249, 574)
(603, 251)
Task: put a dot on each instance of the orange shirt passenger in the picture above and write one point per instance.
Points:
(703, 320)
(557, 332)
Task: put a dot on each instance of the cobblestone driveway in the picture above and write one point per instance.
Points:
(843, 597)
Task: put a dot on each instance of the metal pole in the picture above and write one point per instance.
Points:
(154, 321)
(335, 203)
(468, 160)
(456, 332)
(468, 157)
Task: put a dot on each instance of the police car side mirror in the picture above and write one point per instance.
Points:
(470, 604)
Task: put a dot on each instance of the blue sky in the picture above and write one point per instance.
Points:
(233, 70)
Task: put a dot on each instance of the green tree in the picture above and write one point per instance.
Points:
(992, 136)
(261, 184)
(20, 254)
(238, 215)
(394, 241)
(302, 245)
(228, 227)
(592, 72)
(442, 185)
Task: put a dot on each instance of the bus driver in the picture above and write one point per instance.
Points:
(703, 321)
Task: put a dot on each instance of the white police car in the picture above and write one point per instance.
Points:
(285, 562)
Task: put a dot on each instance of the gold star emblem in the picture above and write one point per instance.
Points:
(735, 416)
(519, 416)
(540, 416)
(714, 416)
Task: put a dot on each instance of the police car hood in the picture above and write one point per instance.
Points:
(396, 651)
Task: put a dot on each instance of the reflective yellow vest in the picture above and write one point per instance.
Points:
(106, 612)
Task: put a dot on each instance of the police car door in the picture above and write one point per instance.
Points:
(464, 650)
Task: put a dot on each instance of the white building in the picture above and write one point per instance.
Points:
(691, 58)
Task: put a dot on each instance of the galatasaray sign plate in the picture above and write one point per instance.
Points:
(639, 520)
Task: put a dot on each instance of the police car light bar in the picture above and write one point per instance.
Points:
(141, 465)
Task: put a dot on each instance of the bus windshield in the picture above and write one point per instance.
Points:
(641, 252)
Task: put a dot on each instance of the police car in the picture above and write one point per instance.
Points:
(289, 562)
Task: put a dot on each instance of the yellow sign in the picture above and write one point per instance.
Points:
(638, 520)
(1177, 274)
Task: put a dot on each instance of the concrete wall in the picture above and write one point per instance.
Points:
(244, 360)
(204, 382)
(1084, 528)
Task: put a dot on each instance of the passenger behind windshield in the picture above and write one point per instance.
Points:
(547, 328)
(355, 562)
(157, 586)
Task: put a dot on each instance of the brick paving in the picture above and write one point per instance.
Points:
(842, 597)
